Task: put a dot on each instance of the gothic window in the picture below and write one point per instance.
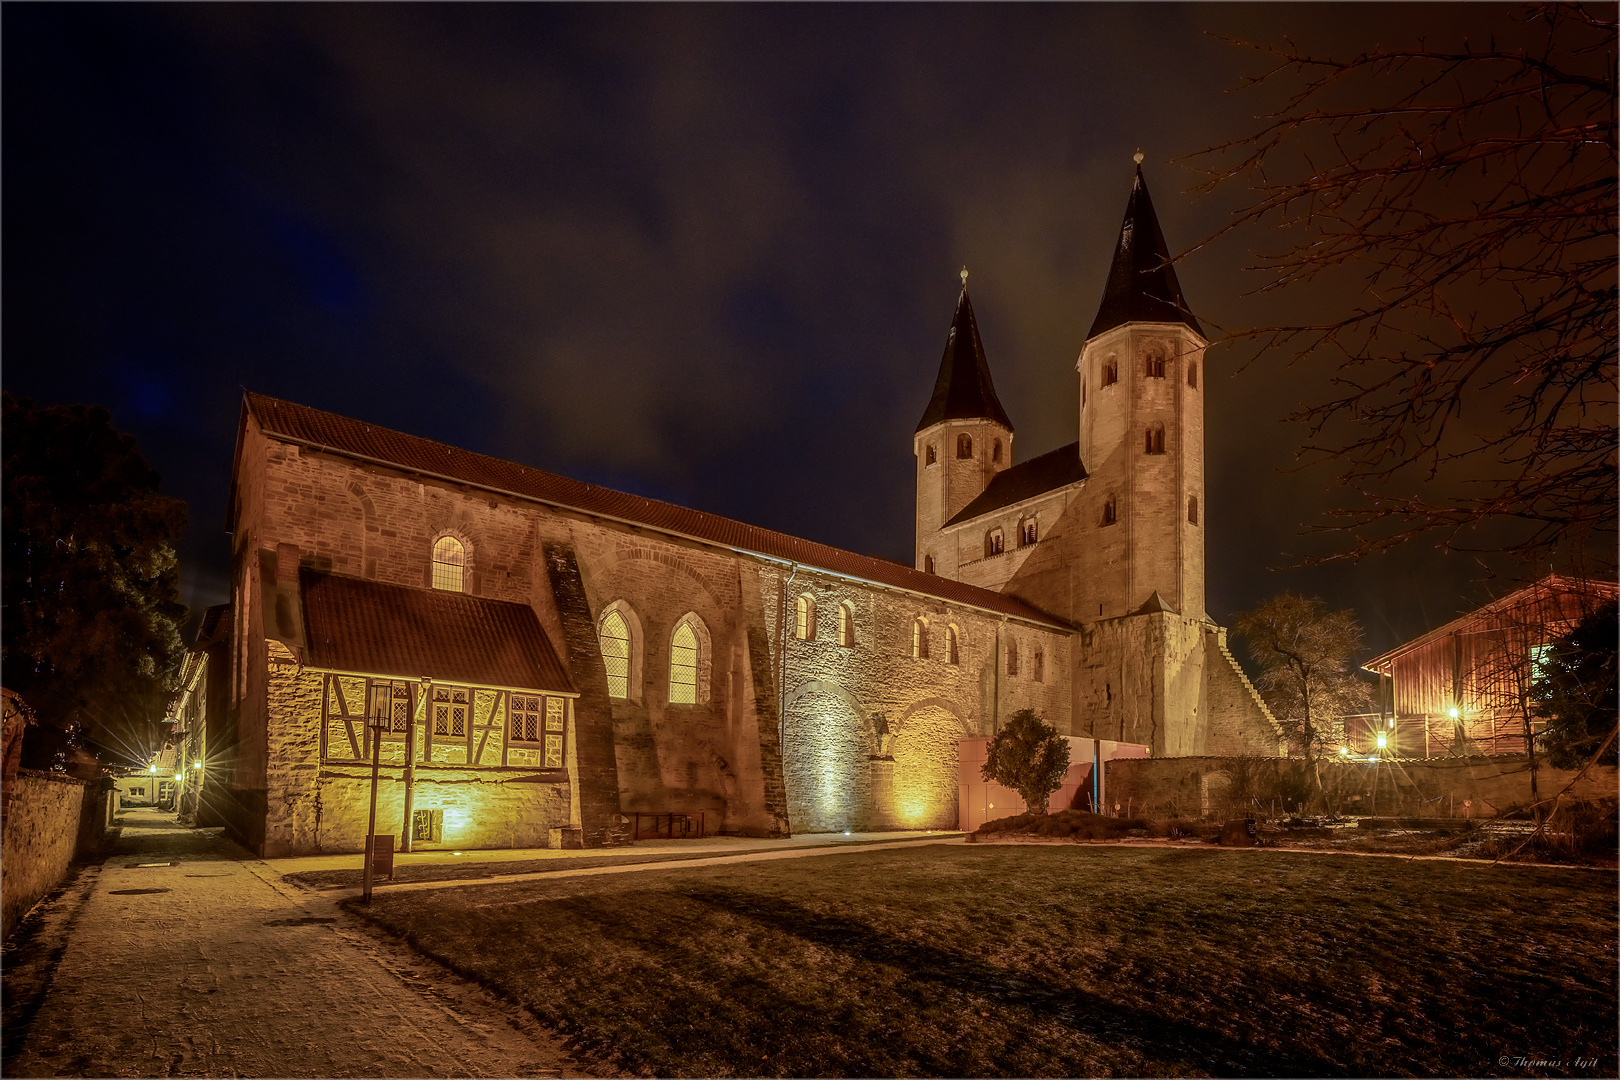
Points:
(1192, 509)
(1155, 362)
(929, 457)
(964, 445)
(805, 627)
(1110, 373)
(995, 542)
(952, 645)
(995, 452)
(1038, 662)
(1012, 657)
(1110, 511)
(449, 564)
(846, 625)
(1028, 532)
(928, 564)
(1155, 439)
(615, 639)
(919, 639)
(683, 666)
(1192, 374)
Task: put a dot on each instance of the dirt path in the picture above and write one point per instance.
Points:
(207, 964)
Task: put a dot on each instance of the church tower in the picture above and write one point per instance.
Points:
(962, 441)
(1142, 429)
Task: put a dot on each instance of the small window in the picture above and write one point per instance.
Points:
(450, 706)
(1192, 509)
(995, 542)
(1154, 439)
(427, 825)
(928, 564)
(683, 665)
(616, 654)
(1082, 391)
(929, 456)
(1110, 511)
(523, 719)
(995, 452)
(449, 564)
(1038, 663)
(1012, 657)
(1155, 362)
(846, 625)
(804, 627)
(952, 646)
(1110, 373)
(919, 639)
(1028, 532)
(1192, 374)
(391, 704)
(964, 446)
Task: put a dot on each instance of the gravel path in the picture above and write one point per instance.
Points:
(209, 965)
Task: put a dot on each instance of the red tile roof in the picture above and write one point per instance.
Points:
(330, 432)
(370, 627)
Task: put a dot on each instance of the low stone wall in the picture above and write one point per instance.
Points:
(1440, 787)
(50, 818)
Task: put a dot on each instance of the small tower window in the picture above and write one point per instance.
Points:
(1110, 513)
(1028, 532)
(1192, 374)
(1110, 372)
(1082, 391)
(1192, 509)
(919, 639)
(804, 627)
(1155, 362)
(952, 645)
(995, 452)
(846, 625)
(964, 445)
(1038, 662)
(1154, 439)
(449, 564)
(929, 456)
(928, 564)
(1012, 657)
(995, 542)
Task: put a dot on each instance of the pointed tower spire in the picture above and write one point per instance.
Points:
(963, 390)
(1142, 285)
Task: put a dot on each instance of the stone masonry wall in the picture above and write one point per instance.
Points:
(1239, 722)
(43, 825)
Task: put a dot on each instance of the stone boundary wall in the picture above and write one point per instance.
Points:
(1436, 787)
(50, 819)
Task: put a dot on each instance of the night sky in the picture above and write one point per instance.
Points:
(704, 254)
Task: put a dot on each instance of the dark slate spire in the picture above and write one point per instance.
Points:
(963, 390)
(1142, 285)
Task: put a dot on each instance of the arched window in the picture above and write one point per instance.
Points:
(846, 625)
(1154, 439)
(449, 564)
(1110, 373)
(995, 452)
(1110, 513)
(1028, 532)
(1192, 509)
(1082, 391)
(964, 445)
(804, 627)
(1192, 374)
(615, 637)
(953, 641)
(1039, 664)
(919, 639)
(928, 564)
(1155, 361)
(683, 666)
(1012, 657)
(995, 542)
(929, 456)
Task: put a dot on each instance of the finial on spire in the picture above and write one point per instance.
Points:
(964, 275)
(1138, 156)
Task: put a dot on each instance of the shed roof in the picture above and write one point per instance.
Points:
(1048, 472)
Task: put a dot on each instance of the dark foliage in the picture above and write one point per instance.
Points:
(91, 606)
(1028, 756)
(1075, 824)
(1576, 691)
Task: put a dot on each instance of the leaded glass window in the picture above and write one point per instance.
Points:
(523, 718)
(449, 564)
(616, 654)
(805, 627)
(683, 663)
(450, 707)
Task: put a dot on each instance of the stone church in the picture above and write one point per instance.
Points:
(535, 661)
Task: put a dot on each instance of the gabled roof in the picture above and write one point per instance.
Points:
(369, 627)
(1142, 285)
(1052, 470)
(329, 432)
(963, 390)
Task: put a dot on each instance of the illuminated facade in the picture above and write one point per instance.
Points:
(536, 661)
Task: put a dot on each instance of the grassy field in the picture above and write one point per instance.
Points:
(1060, 960)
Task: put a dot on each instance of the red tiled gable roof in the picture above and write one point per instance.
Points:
(326, 431)
(353, 624)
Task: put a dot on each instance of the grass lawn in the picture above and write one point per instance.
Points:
(1061, 960)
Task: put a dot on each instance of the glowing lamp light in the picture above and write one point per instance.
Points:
(154, 768)
(1453, 712)
(846, 832)
(1383, 740)
(196, 764)
(1345, 751)
(179, 776)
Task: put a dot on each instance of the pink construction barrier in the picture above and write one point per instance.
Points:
(1083, 789)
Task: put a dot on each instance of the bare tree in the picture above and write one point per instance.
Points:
(1453, 211)
(1307, 674)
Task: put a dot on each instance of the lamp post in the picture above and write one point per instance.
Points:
(376, 729)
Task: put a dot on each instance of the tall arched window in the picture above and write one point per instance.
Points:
(846, 625)
(1192, 509)
(449, 565)
(928, 564)
(615, 637)
(919, 639)
(1110, 372)
(1012, 657)
(953, 642)
(964, 445)
(804, 627)
(1192, 374)
(1155, 361)
(1039, 664)
(1110, 510)
(683, 666)
(929, 457)
(1154, 439)
(995, 452)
